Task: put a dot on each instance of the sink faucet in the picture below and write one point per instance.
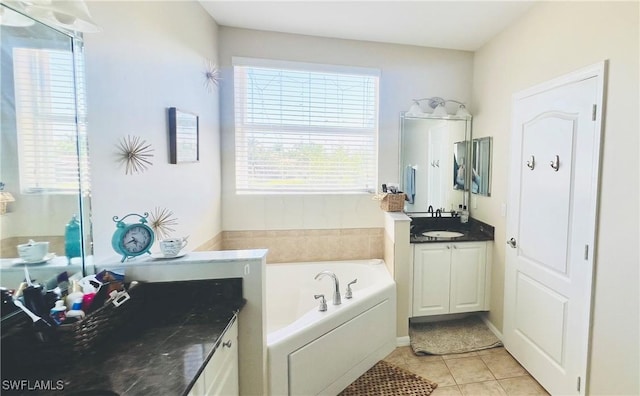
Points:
(336, 292)
(430, 210)
(438, 213)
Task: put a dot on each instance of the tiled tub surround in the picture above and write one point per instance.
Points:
(161, 351)
(287, 246)
(474, 230)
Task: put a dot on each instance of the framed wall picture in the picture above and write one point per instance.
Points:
(184, 136)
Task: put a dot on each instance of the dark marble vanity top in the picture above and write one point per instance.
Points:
(161, 351)
(473, 230)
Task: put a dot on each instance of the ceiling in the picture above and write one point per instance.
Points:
(462, 25)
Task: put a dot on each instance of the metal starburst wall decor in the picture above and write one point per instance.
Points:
(211, 75)
(135, 153)
(162, 222)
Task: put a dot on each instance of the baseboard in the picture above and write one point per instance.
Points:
(403, 341)
(491, 327)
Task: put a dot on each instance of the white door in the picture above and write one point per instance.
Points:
(431, 277)
(468, 268)
(551, 228)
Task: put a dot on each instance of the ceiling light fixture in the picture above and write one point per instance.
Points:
(439, 106)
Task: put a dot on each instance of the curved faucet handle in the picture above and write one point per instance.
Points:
(349, 293)
(323, 302)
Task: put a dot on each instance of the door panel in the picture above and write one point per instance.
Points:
(543, 305)
(432, 271)
(545, 194)
(468, 261)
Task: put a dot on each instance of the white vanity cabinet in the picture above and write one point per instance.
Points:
(450, 277)
(220, 375)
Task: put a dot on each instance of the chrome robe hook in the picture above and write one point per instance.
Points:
(555, 164)
(531, 163)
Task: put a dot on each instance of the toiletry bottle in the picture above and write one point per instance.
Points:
(75, 312)
(72, 238)
(74, 295)
(58, 313)
(464, 216)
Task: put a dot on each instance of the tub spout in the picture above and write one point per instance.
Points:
(336, 283)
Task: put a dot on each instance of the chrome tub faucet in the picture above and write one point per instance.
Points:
(336, 283)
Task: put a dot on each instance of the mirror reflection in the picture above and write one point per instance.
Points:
(481, 154)
(433, 153)
(459, 165)
(44, 161)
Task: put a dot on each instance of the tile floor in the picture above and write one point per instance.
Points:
(488, 372)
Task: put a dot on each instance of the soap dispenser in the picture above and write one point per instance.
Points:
(72, 239)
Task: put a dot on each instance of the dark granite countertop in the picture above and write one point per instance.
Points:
(473, 230)
(161, 351)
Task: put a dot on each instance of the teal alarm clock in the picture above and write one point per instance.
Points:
(131, 240)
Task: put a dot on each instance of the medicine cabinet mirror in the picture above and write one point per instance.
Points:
(434, 152)
(43, 148)
(481, 154)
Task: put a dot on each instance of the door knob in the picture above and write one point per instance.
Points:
(512, 242)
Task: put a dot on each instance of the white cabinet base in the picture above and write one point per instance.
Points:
(452, 277)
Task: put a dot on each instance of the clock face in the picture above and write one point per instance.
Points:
(136, 239)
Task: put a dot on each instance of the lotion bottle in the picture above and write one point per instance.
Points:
(75, 294)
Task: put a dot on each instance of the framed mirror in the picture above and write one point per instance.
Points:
(481, 160)
(431, 151)
(43, 150)
(184, 136)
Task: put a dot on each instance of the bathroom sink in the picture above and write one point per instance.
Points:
(442, 234)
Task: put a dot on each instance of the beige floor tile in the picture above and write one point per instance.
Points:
(469, 369)
(405, 355)
(459, 355)
(524, 385)
(412, 358)
(486, 388)
(491, 351)
(447, 391)
(433, 371)
(503, 365)
(396, 357)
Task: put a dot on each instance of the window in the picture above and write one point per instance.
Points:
(305, 128)
(49, 140)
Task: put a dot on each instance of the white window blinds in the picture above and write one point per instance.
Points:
(303, 128)
(51, 145)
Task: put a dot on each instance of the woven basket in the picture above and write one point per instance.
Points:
(95, 327)
(391, 202)
(65, 343)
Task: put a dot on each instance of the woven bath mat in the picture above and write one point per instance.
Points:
(453, 336)
(385, 379)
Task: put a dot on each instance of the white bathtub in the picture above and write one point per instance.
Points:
(312, 352)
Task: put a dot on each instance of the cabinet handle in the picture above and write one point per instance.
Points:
(227, 344)
(448, 247)
(455, 247)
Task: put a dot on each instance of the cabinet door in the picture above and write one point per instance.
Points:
(220, 376)
(431, 275)
(468, 263)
